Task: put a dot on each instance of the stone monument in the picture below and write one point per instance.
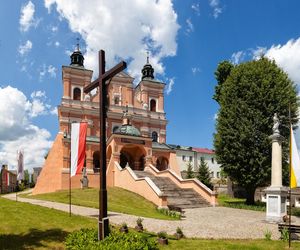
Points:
(276, 193)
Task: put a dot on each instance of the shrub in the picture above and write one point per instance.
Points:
(268, 235)
(162, 235)
(178, 230)
(87, 239)
(170, 213)
(285, 234)
(139, 221)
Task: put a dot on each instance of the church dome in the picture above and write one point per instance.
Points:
(77, 58)
(127, 129)
(147, 71)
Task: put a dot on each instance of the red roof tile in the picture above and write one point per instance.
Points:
(204, 150)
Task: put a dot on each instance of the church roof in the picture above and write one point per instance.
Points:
(128, 129)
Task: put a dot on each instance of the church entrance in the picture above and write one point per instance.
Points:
(134, 156)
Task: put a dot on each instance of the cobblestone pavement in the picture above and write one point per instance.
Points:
(208, 222)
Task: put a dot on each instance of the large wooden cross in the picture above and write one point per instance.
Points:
(103, 223)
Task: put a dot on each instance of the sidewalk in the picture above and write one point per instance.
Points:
(209, 222)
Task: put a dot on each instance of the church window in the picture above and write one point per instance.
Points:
(212, 160)
(183, 158)
(117, 100)
(153, 105)
(154, 136)
(201, 158)
(76, 94)
(115, 128)
(212, 174)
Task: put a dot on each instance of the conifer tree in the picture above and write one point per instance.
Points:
(203, 173)
(189, 171)
(250, 95)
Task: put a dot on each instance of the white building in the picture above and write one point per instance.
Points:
(189, 154)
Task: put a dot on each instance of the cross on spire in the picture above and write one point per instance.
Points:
(147, 56)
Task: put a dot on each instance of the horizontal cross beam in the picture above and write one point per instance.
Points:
(106, 76)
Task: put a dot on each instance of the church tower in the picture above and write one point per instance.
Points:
(149, 95)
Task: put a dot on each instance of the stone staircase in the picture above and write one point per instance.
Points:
(178, 198)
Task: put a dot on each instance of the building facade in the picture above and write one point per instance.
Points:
(144, 104)
(8, 180)
(186, 155)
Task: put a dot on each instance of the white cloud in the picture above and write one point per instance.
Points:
(258, 52)
(17, 131)
(215, 5)
(237, 57)
(54, 29)
(287, 56)
(170, 85)
(190, 25)
(196, 8)
(47, 70)
(27, 17)
(195, 70)
(139, 26)
(25, 48)
(57, 44)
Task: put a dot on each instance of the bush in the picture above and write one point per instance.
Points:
(162, 235)
(170, 213)
(87, 239)
(268, 235)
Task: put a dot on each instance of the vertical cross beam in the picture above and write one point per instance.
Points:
(103, 223)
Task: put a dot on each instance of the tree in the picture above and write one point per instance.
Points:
(189, 171)
(248, 99)
(203, 173)
(221, 74)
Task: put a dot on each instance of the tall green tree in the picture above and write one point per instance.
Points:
(189, 170)
(203, 173)
(248, 98)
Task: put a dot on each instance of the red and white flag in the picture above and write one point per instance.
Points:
(78, 136)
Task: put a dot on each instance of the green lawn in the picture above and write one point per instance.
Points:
(185, 244)
(119, 200)
(26, 226)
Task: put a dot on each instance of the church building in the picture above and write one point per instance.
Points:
(136, 136)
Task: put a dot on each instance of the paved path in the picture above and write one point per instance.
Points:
(209, 222)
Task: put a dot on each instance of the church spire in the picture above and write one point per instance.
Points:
(77, 57)
(147, 70)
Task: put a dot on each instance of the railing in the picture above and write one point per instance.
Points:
(144, 186)
(195, 184)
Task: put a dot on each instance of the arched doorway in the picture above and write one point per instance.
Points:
(96, 162)
(162, 163)
(134, 156)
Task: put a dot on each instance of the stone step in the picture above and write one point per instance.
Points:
(177, 197)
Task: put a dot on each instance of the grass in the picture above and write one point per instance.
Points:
(26, 226)
(185, 244)
(118, 201)
(227, 201)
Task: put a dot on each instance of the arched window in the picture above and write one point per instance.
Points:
(153, 105)
(115, 128)
(116, 100)
(77, 94)
(154, 136)
(96, 162)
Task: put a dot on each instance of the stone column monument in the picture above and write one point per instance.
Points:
(276, 193)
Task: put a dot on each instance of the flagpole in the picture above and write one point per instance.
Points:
(290, 189)
(70, 183)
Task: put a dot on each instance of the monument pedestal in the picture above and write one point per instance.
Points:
(276, 203)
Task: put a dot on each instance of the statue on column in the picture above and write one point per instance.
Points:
(276, 124)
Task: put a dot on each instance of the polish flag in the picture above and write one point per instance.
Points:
(78, 136)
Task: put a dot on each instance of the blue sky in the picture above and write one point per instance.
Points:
(186, 39)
